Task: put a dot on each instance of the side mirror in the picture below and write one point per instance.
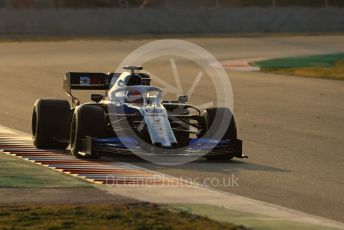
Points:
(96, 97)
(183, 99)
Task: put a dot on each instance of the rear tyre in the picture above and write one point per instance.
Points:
(51, 124)
(214, 118)
(89, 121)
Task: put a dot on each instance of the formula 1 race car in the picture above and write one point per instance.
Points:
(130, 116)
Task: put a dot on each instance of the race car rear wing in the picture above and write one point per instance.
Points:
(86, 81)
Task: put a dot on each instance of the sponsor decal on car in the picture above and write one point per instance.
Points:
(85, 81)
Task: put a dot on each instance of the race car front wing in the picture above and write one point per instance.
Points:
(201, 146)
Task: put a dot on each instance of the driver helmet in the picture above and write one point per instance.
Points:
(135, 97)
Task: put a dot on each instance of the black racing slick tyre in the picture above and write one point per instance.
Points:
(87, 121)
(214, 118)
(51, 124)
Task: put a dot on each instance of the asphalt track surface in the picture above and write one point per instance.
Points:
(293, 128)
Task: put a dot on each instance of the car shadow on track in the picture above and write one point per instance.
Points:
(232, 166)
(200, 164)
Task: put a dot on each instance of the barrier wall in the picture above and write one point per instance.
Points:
(107, 22)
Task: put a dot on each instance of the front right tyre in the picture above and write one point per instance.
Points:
(87, 121)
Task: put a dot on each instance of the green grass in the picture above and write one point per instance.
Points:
(335, 72)
(319, 66)
(17, 173)
(327, 60)
(139, 216)
(250, 220)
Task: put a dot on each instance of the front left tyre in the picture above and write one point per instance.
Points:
(214, 118)
(51, 124)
